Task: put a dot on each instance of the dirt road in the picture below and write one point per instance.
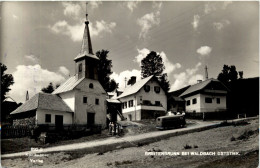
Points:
(242, 139)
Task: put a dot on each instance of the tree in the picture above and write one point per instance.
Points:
(223, 76)
(6, 81)
(104, 71)
(152, 64)
(229, 74)
(232, 73)
(48, 89)
(240, 74)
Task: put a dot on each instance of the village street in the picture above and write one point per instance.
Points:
(213, 140)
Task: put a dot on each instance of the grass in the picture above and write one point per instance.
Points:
(24, 144)
(245, 135)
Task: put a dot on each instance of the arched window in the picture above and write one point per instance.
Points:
(91, 85)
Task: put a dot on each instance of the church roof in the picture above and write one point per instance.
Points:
(135, 88)
(85, 54)
(68, 85)
(43, 101)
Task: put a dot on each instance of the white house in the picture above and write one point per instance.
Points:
(79, 100)
(206, 97)
(143, 99)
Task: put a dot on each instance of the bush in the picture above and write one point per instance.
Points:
(187, 146)
(232, 138)
(195, 146)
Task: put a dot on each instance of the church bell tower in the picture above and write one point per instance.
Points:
(86, 62)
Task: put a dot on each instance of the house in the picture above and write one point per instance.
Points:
(143, 99)
(45, 109)
(176, 103)
(80, 100)
(207, 96)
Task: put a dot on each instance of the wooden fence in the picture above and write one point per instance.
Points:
(15, 131)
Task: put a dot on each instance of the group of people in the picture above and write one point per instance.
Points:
(114, 128)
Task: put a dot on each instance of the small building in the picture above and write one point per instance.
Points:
(143, 99)
(7, 107)
(207, 96)
(44, 109)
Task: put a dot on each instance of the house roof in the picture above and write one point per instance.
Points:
(113, 101)
(176, 98)
(135, 88)
(199, 86)
(68, 85)
(43, 101)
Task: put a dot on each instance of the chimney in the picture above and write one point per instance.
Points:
(132, 80)
(199, 81)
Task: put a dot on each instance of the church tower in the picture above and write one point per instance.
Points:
(86, 62)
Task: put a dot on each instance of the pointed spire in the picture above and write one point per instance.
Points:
(86, 47)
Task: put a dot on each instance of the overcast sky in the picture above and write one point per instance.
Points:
(39, 40)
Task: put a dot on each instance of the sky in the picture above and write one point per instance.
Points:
(39, 40)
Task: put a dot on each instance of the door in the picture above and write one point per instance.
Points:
(59, 122)
(91, 119)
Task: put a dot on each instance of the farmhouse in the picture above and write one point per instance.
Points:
(46, 108)
(143, 99)
(206, 97)
(79, 100)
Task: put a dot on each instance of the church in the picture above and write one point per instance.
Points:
(80, 100)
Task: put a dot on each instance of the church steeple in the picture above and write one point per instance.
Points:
(86, 47)
(86, 61)
(86, 43)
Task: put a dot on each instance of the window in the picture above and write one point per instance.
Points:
(91, 85)
(130, 103)
(146, 88)
(97, 101)
(188, 102)
(157, 103)
(194, 101)
(218, 100)
(208, 100)
(157, 89)
(125, 104)
(80, 67)
(147, 102)
(48, 118)
(85, 99)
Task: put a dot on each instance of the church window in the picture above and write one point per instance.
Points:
(85, 99)
(91, 85)
(80, 67)
(97, 101)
